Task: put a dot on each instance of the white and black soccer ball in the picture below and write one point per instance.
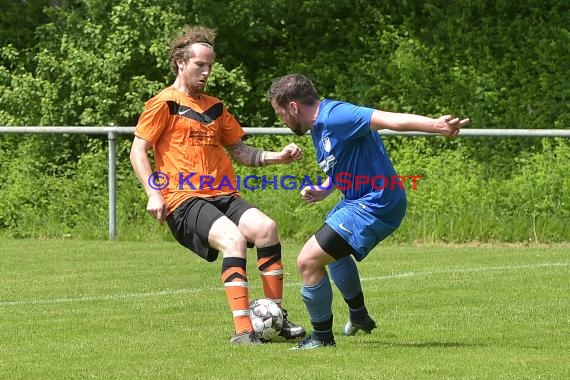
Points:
(266, 317)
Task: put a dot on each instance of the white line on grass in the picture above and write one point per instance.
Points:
(173, 292)
(467, 270)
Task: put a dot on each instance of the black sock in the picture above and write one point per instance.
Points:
(356, 308)
(323, 330)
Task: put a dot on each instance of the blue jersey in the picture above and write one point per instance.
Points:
(356, 159)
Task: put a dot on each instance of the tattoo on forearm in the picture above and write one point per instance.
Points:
(247, 155)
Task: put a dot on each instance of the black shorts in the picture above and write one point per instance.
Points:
(190, 222)
(332, 243)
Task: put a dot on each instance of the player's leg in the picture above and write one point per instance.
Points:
(225, 236)
(261, 230)
(359, 232)
(316, 292)
(346, 278)
(200, 226)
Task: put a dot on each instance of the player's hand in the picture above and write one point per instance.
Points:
(157, 206)
(311, 195)
(290, 153)
(449, 126)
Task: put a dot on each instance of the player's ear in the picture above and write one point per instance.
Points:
(294, 107)
(181, 64)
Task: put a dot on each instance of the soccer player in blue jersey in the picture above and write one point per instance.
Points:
(350, 151)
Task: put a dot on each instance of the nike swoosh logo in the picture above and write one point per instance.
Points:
(183, 112)
(237, 298)
(342, 227)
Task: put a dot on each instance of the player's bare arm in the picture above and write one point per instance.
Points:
(446, 125)
(156, 204)
(250, 156)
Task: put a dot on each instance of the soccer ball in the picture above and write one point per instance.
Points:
(266, 317)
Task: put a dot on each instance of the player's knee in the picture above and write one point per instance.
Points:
(310, 269)
(265, 230)
(305, 264)
(232, 244)
(270, 226)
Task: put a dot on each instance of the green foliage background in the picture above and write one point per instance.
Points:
(95, 63)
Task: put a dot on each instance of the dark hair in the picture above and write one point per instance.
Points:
(191, 35)
(292, 87)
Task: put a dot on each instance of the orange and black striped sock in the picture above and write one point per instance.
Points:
(234, 277)
(271, 267)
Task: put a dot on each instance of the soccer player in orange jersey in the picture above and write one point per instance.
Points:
(192, 134)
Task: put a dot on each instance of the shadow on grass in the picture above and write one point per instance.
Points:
(385, 344)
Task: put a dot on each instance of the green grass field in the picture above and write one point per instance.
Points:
(95, 309)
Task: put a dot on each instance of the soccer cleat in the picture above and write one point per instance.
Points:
(311, 342)
(245, 338)
(291, 330)
(352, 327)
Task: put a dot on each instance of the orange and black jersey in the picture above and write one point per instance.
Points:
(188, 137)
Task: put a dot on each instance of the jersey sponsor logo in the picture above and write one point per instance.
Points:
(203, 137)
(328, 163)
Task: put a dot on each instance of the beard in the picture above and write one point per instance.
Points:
(194, 86)
(296, 128)
(298, 132)
(198, 87)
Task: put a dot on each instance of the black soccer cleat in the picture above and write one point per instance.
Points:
(311, 342)
(291, 330)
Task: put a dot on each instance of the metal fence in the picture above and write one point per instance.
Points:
(112, 133)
